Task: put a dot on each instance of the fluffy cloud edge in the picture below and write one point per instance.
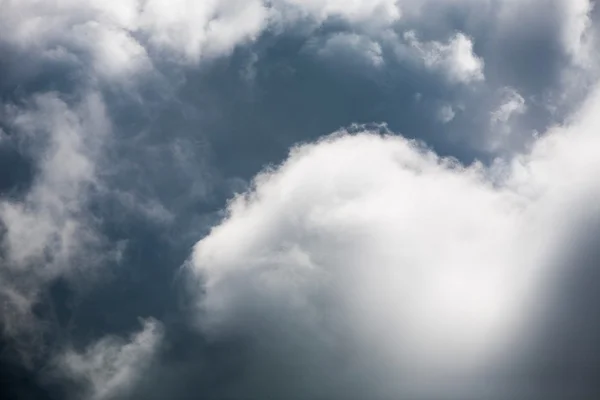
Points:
(314, 254)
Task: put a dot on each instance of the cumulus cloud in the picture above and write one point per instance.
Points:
(351, 242)
(407, 266)
(109, 368)
(455, 59)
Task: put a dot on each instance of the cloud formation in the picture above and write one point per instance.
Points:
(48, 232)
(372, 250)
(511, 103)
(357, 263)
(109, 368)
(455, 58)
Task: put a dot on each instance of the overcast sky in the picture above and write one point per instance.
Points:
(299, 199)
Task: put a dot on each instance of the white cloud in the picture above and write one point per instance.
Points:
(455, 59)
(195, 29)
(511, 103)
(446, 113)
(502, 123)
(109, 368)
(367, 249)
(70, 31)
(115, 52)
(49, 216)
(117, 36)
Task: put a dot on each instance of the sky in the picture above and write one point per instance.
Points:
(299, 199)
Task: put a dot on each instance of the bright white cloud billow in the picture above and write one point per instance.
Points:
(455, 59)
(368, 249)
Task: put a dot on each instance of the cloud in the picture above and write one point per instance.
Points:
(348, 242)
(117, 38)
(121, 38)
(354, 48)
(576, 35)
(126, 122)
(76, 34)
(368, 14)
(455, 59)
(368, 260)
(194, 29)
(109, 368)
(124, 43)
(512, 104)
(446, 113)
(48, 232)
